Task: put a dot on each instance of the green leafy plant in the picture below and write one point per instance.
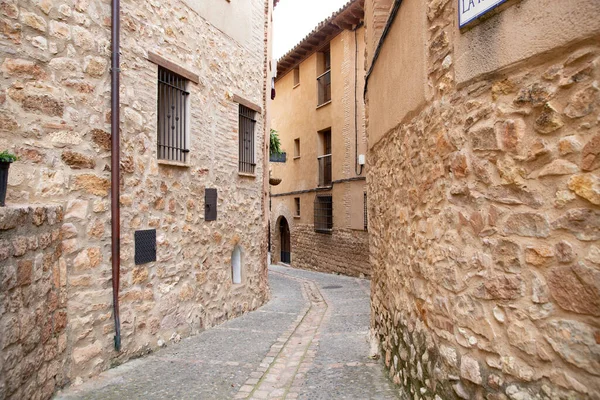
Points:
(275, 145)
(5, 156)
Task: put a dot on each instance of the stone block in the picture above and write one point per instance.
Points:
(92, 184)
(583, 223)
(548, 121)
(590, 155)
(33, 21)
(576, 288)
(575, 342)
(82, 355)
(24, 272)
(582, 102)
(539, 256)
(586, 186)
(527, 224)
(77, 160)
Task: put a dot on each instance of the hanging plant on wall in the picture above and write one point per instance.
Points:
(274, 150)
(6, 159)
(275, 145)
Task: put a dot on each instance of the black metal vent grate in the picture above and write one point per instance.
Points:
(145, 246)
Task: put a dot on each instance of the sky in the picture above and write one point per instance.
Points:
(294, 19)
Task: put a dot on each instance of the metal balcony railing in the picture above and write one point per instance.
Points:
(324, 87)
(324, 170)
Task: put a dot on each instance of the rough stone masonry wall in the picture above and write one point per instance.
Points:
(344, 251)
(485, 229)
(55, 113)
(33, 299)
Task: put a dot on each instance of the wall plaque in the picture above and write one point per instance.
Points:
(468, 10)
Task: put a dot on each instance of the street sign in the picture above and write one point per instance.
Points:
(468, 10)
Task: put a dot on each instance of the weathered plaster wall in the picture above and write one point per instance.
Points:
(484, 225)
(33, 300)
(403, 88)
(55, 113)
(295, 115)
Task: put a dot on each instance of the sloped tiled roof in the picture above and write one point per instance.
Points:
(347, 17)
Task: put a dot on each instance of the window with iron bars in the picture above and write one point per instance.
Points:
(173, 117)
(323, 214)
(246, 136)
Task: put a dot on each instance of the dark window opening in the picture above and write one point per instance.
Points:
(296, 76)
(323, 214)
(365, 205)
(246, 138)
(324, 77)
(324, 160)
(173, 119)
(297, 204)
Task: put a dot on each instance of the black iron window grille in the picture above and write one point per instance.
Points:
(323, 214)
(365, 205)
(246, 132)
(173, 119)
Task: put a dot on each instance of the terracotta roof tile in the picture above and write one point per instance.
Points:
(350, 14)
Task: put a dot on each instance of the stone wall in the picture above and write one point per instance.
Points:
(484, 224)
(344, 251)
(55, 113)
(33, 299)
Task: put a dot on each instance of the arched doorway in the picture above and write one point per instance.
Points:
(284, 240)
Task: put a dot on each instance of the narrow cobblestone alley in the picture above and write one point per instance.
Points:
(308, 342)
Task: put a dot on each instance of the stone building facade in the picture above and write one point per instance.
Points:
(319, 116)
(484, 199)
(55, 114)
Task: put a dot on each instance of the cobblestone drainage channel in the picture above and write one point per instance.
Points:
(282, 372)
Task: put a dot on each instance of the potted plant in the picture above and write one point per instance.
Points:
(6, 159)
(274, 149)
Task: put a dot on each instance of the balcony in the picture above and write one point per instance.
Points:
(324, 170)
(324, 88)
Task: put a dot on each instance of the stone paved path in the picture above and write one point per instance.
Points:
(308, 342)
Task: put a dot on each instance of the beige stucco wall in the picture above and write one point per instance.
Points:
(296, 115)
(230, 17)
(376, 16)
(55, 114)
(484, 207)
(402, 89)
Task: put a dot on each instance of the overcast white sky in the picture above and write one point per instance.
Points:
(294, 19)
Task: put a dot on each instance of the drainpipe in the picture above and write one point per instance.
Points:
(115, 169)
